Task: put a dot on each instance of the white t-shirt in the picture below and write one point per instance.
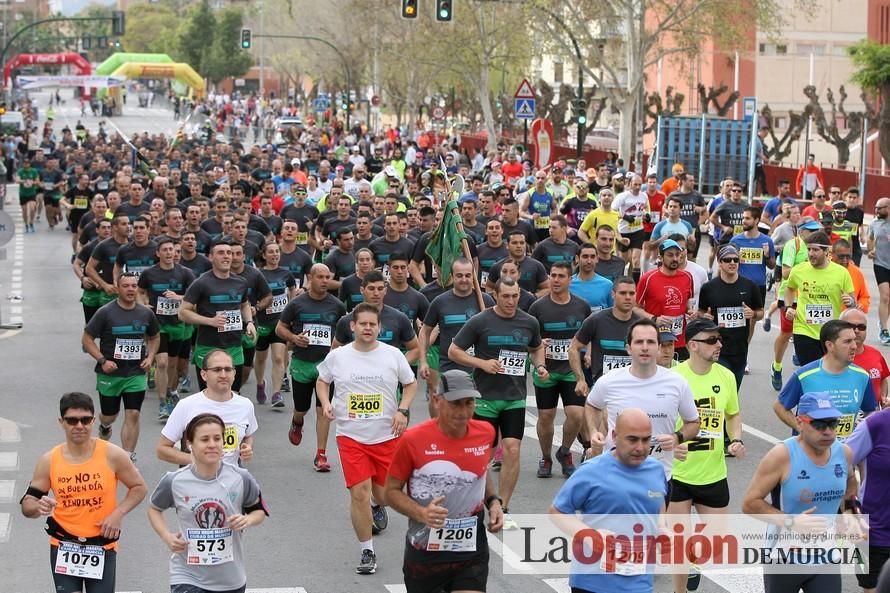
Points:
(365, 386)
(664, 396)
(699, 277)
(237, 413)
(634, 205)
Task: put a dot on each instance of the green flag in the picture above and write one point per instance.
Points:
(445, 244)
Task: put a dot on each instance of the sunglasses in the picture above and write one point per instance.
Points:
(729, 260)
(220, 369)
(710, 341)
(860, 327)
(829, 423)
(75, 420)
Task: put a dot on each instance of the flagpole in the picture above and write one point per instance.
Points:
(463, 242)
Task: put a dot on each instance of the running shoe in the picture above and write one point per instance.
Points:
(185, 384)
(545, 468)
(693, 580)
(498, 459)
(261, 394)
(747, 370)
(795, 360)
(321, 463)
(767, 324)
(133, 457)
(885, 337)
(564, 457)
(173, 397)
(285, 384)
(151, 377)
(509, 523)
(277, 400)
(379, 517)
(163, 411)
(776, 378)
(368, 563)
(295, 434)
(104, 432)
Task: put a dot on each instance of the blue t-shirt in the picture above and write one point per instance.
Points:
(597, 291)
(752, 263)
(604, 486)
(850, 391)
(712, 206)
(666, 228)
(540, 203)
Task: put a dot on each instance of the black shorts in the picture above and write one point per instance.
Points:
(714, 495)
(444, 577)
(25, 199)
(174, 348)
(807, 349)
(509, 423)
(762, 290)
(110, 405)
(877, 557)
(263, 342)
(302, 394)
(249, 353)
(547, 398)
(636, 240)
(882, 274)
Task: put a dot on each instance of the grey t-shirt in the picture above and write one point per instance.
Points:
(136, 259)
(203, 508)
(410, 302)
(606, 335)
(548, 252)
(531, 273)
(450, 312)
(559, 323)
(121, 334)
(506, 340)
(395, 329)
(879, 230)
(211, 295)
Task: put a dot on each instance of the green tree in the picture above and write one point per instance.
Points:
(872, 62)
(151, 28)
(226, 58)
(195, 36)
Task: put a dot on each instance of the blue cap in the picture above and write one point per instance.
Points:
(817, 405)
(669, 244)
(810, 225)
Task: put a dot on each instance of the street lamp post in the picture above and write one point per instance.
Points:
(336, 50)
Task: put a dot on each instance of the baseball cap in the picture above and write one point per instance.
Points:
(355, 148)
(617, 176)
(666, 335)
(390, 171)
(727, 250)
(457, 384)
(697, 326)
(669, 244)
(817, 405)
(810, 225)
(295, 162)
(839, 205)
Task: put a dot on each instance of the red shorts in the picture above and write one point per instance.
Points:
(786, 326)
(360, 461)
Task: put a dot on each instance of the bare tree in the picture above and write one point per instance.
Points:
(656, 107)
(827, 125)
(780, 147)
(709, 96)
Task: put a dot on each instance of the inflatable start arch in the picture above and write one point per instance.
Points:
(79, 62)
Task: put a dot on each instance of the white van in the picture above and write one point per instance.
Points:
(12, 122)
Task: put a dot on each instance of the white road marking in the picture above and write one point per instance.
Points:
(396, 588)
(7, 491)
(558, 585)
(9, 431)
(507, 555)
(9, 461)
(5, 523)
(760, 434)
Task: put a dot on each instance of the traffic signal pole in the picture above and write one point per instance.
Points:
(336, 50)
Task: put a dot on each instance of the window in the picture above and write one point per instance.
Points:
(557, 72)
(772, 49)
(781, 49)
(805, 49)
(839, 50)
(779, 122)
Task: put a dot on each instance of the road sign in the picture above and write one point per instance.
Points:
(525, 91)
(438, 113)
(750, 108)
(7, 228)
(524, 108)
(375, 100)
(321, 103)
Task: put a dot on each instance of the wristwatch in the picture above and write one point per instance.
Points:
(102, 361)
(405, 412)
(491, 499)
(680, 437)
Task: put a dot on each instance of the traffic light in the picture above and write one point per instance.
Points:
(444, 13)
(118, 26)
(409, 9)
(245, 39)
(579, 111)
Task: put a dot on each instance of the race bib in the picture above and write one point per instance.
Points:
(610, 362)
(102, 185)
(49, 186)
(364, 405)
(512, 362)
(677, 324)
(302, 238)
(818, 314)
(319, 334)
(626, 563)
(28, 183)
(751, 255)
(81, 203)
(483, 278)
(655, 450)
(209, 547)
(85, 562)
(557, 350)
(385, 272)
(233, 321)
(710, 423)
(635, 226)
(279, 301)
(738, 229)
(126, 349)
(730, 317)
(230, 438)
(845, 425)
(542, 222)
(457, 535)
(168, 307)
(654, 217)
